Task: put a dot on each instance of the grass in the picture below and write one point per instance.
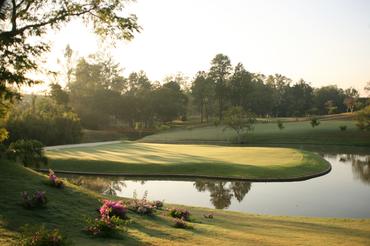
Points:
(208, 160)
(89, 136)
(67, 207)
(301, 132)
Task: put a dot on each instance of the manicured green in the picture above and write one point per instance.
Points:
(209, 160)
(68, 207)
(328, 132)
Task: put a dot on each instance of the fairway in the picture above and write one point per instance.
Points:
(327, 133)
(198, 160)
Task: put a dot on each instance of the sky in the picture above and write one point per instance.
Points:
(322, 41)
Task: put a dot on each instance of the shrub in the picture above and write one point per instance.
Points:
(40, 236)
(37, 200)
(158, 204)
(110, 221)
(54, 180)
(179, 213)
(28, 152)
(343, 128)
(179, 223)
(106, 226)
(142, 206)
(208, 216)
(363, 119)
(280, 125)
(113, 208)
(314, 122)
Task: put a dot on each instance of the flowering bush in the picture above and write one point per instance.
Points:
(37, 200)
(42, 237)
(105, 226)
(142, 206)
(113, 208)
(54, 180)
(110, 221)
(179, 223)
(180, 214)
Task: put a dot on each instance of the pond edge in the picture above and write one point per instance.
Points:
(188, 176)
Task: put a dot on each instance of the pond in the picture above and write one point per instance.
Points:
(344, 192)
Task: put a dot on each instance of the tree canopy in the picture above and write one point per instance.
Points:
(23, 23)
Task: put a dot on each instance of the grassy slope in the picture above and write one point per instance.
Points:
(268, 133)
(67, 207)
(145, 158)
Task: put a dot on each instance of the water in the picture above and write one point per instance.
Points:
(344, 192)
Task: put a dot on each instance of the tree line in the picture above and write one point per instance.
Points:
(102, 97)
(97, 96)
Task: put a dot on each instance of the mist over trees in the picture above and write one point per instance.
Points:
(103, 98)
(98, 96)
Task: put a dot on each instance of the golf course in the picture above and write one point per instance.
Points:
(171, 123)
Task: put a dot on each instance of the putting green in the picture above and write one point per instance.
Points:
(197, 160)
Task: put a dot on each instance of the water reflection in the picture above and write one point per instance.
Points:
(98, 184)
(360, 166)
(344, 192)
(222, 192)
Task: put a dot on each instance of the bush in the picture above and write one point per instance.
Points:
(46, 122)
(113, 208)
(28, 152)
(37, 200)
(179, 223)
(280, 125)
(106, 227)
(179, 213)
(54, 180)
(142, 206)
(158, 204)
(343, 128)
(42, 237)
(110, 222)
(363, 119)
(314, 122)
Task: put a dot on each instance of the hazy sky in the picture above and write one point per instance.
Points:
(322, 41)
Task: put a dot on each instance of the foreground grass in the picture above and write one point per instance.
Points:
(67, 207)
(327, 132)
(208, 160)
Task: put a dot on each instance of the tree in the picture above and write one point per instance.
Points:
(240, 86)
(33, 18)
(96, 90)
(238, 120)
(24, 23)
(219, 73)
(363, 119)
(329, 93)
(367, 87)
(29, 152)
(202, 90)
(59, 95)
(351, 98)
(280, 84)
(169, 102)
